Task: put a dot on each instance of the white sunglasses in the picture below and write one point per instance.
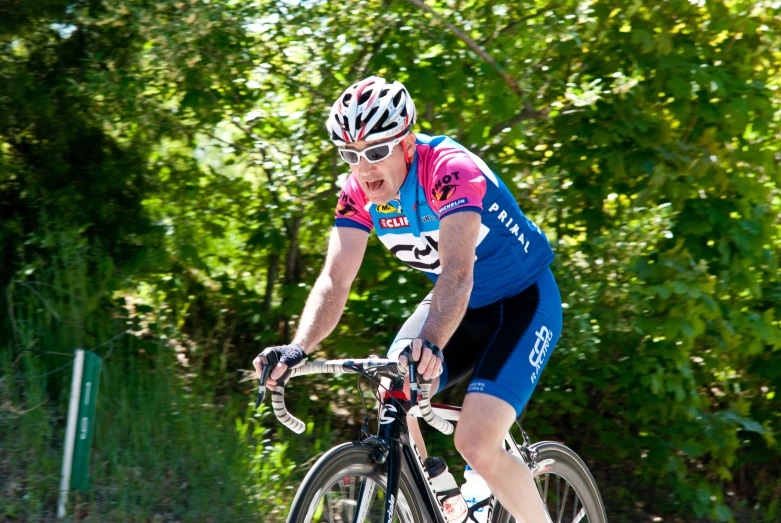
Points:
(373, 154)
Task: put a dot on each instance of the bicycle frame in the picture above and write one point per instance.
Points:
(392, 440)
(398, 448)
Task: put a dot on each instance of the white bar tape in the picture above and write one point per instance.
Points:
(282, 414)
(431, 417)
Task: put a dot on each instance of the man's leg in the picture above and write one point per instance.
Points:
(503, 381)
(479, 435)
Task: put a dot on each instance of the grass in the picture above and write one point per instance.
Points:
(163, 450)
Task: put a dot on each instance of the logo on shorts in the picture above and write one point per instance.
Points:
(540, 350)
(476, 386)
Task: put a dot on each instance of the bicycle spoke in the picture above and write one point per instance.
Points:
(352, 490)
(341, 496)
(365, 498)
(564, 501)
(580, 515)
(347, 501)
(403, 509)
(331, 508)
(569, 508)
(355, 499)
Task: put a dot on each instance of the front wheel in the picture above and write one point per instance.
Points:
(348, 485)
(566, 486)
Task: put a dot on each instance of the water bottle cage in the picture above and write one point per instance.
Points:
(477, 506)
(448, 494)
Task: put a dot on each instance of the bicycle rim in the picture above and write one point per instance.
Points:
(566, 486)
(346, 485)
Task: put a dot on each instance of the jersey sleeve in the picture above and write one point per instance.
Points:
(351, 208)
(456, 184)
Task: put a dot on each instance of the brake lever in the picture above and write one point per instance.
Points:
(413, 381)
(269, 362)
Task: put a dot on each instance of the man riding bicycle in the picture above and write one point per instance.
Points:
(495, 308)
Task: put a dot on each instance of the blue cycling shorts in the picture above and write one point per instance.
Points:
(504, 345)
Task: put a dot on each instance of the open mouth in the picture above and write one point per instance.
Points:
(375, 186)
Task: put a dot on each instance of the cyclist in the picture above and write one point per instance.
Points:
(495, 308)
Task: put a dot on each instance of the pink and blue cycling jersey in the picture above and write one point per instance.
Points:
(445, 178)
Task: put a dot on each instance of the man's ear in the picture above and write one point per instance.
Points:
(409, 147)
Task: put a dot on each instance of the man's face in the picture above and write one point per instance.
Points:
(382, 180)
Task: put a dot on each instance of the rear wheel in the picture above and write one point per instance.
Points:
(566, 486)
(347, 485)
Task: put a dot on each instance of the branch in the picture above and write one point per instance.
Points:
(9, 297)
(229, 144)
(472, 45)
(38, 295)
(366, 57)
(734, 38)
(512, 24)
(528, 113)
(294, 82)
(235, 121)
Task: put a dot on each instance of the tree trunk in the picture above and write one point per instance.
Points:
(271, 278)
(293, 262)
(292, 268)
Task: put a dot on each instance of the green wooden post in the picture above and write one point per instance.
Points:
(86, 421)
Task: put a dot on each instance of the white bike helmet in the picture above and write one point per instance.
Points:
(371, 110)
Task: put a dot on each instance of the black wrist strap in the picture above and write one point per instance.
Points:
(291, 355)
(435, 350)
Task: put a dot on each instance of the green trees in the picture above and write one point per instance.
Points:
(183, 142)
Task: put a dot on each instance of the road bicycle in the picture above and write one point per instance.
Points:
(381, 477)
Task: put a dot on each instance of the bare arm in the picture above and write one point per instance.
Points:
(457, 242)
(326, 302)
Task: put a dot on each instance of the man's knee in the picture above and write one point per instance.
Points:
(478, 448)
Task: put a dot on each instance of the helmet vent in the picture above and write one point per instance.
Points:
(369, 116)
(364, 97)
(382, 128)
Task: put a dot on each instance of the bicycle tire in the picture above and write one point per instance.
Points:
(353, 460)
(559, 460)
